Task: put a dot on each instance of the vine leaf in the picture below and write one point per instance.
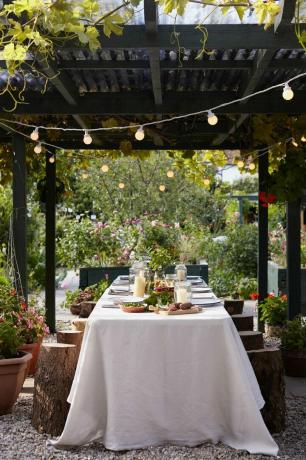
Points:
(112, 24)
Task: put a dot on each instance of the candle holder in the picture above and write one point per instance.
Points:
(181, 272)
(182, 292)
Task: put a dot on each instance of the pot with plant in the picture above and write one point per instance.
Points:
(293, 346)
(13, 362)
(273, 312)
(234, 304)
(160, 258)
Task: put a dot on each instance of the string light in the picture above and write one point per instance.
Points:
(104, 168)
(139, 135)
(52, 159)
(162, 188)
(240, 164)
(294, 143)
(87, 139)
(85, 176)
(38, 148)
(35, 135)
(252, 166)
(212, 119)
(288, 94)
(303, 138)
(170, 173)
(121, 185)
(206, 182)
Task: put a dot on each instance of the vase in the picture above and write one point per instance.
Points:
(34, 349)
(273, 331)
(12, 373)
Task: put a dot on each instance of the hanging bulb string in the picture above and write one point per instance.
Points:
(260, 152)
(165, 120)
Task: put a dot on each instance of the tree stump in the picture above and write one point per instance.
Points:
(234, 306)
(53, 379)
(269, 370)
(86, 308)
(79, 324)
(71, 337)
(252, 340)
(243, 322)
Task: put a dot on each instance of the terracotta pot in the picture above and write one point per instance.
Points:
(11, 380)
(273, 331)
(294, 362)
(75, 308)
(34, 349)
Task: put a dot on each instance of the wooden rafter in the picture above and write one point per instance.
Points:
(151, 26)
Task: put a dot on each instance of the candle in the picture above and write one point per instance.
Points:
(181, 295)
(139, 286)
(180, 273)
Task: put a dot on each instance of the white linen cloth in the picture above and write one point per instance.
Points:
(146, 380)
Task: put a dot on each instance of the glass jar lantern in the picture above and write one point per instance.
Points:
(182, 292)
(181, 272)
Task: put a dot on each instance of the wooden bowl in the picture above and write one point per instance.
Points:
(136, 309)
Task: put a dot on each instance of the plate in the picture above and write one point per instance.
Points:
(206, 302)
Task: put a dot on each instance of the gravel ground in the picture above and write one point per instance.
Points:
(19, 441)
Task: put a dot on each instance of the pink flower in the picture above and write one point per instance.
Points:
(154, 223)
(177, 225)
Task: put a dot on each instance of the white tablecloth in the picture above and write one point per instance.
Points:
(146, 380)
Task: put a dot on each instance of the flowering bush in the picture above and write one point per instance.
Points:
(274, 310)
(9, 301)
(31, 325)
(10, 337)
(277, 245)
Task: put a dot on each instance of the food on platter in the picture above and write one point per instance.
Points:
(177, 309)
(133, 307)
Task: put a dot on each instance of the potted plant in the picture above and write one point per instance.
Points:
(234, 304)
(32, 328)
(273, 311)
(13, 363)
(293, 346)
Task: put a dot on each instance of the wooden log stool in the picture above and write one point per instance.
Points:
(243, 322)
(252, 340)
(269, 370)
(71, 337)
(79, 324)
(53, 379)
(86, 308)
(234, 306)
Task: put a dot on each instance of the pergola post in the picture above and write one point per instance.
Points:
(50, 240)
(262, 268)
(20, 216)
(294, 258)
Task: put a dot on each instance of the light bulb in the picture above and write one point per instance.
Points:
(52, 159)
(303, 139)
(212, 119)
(121, 185)
(139, 135)
(34, 135)
(104, 168)
(293, 142)
(162, 188)
(206, 181)
(288, 94)
(240, 164)
(37, 148)
(252, 166)
(85, 176)
(170, 173)
(87, 139)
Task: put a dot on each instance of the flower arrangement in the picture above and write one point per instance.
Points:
(31, 325)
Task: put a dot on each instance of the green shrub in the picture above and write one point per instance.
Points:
(223, 282)
(246, 287)
(294, 334)
(274, 310)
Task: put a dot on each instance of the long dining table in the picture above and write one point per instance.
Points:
(145, 379)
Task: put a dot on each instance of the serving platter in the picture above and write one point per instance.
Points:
(190, 311)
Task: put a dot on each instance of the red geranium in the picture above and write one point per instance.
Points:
(254, 296)
(266, 198)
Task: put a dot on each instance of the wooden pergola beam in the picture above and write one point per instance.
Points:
(141, 103)
(151, 26)
(220, 36)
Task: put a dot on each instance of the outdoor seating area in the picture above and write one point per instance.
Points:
(153, 229)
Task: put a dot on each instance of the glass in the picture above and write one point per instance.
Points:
(182, 292)
(181, 272)
(170, 280)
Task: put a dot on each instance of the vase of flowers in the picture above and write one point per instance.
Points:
(273, 311)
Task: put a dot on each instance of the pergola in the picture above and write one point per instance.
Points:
(141, 74)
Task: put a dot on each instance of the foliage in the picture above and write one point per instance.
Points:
(273, 310)
(277, 245)
(10, 338)
(160, 298)
(293, 336)
(246, 286)
(223, 282)
(9, 300)
(93, 292)
(241, 249)
(71, 297)
(160, 258)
